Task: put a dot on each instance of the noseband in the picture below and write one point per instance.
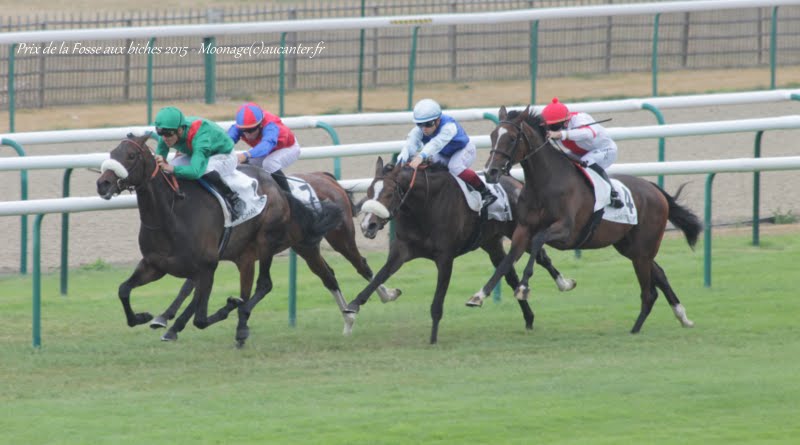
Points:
(506, 168)
(403, 196)
(144, 150)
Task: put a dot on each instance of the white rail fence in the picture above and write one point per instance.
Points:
(653, 104)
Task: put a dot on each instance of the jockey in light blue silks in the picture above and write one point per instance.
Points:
(441, 139)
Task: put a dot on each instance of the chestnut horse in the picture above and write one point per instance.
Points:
(557, 205)
(433, 221)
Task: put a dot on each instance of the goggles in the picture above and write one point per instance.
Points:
(428, 124)
(166, 132)
(556, 127)
(251, 130)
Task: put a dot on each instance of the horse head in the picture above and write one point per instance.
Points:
(130, 165)
(518, 136)
(376, 206)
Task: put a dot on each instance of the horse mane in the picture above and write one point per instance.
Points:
(534, 120)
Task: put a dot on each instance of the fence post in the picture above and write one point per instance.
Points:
(412, 63)
(773, 42)
(360, 104)
(655, 55)
(210, 60)
(282, 77)
(23, 187)
(151, 44)
(452, 41)
(533, 54)
(37, 282)
(756, 189)
(11, 93)
(65, 234)
(707, 233)
(661, 141)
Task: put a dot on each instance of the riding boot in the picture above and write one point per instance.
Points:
(616, 202)
(486, 195)
(235, 205)
(280, 179)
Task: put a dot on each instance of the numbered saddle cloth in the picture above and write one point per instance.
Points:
(499, 210)
(602, 198)
(303, 191)
(247, 190)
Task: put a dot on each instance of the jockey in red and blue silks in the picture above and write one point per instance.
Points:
(441, 139)
(273, 145)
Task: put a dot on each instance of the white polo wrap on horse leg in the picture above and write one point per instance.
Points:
(114, 166)
(680, 314)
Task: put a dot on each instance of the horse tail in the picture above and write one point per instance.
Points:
(315, 224)
(683, 218)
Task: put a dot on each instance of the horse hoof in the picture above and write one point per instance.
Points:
(522, 293)
(169, 336)
(349, 321)
(158, 322)
(566, 284)
(389, 295)
(475, 301)
(239, 344)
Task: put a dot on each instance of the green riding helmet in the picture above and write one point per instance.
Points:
(169, 118)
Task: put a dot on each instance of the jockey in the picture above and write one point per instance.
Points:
(439, 138)
(273, 145)
(204, 150)
(583, 139)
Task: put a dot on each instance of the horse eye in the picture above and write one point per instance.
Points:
(131, 156)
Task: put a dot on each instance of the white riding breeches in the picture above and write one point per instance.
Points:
(603, 157)
(224, 164)
(460, 161)
(278, 159)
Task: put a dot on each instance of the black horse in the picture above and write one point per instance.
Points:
(556, 208)
(434, 221)
(181, 231)
(341, 238)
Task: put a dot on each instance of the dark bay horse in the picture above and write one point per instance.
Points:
(341, 238)
(557, 204)
(433, 221)
(180, 235)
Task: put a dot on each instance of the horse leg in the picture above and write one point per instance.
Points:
(399, 253)
(320, 267)
(643, 268)
(519, 239)
(344, 242)
(564, 284)
(143, 274)
(202, 294)
(496, 254)
(180, 322)
(445, 267)
(161, 320)
(263, 287)
(660, 280)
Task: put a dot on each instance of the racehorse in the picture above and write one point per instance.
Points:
(556, 208)
(434, 221)
(182, 228)
(341, 239)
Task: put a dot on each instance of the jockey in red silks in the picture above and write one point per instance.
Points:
(273, 145)
(582, 139)
(441, 139)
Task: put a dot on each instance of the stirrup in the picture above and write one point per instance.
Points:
(616, 202)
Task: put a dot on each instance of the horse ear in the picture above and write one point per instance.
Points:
(526, 113)
(379, 166)
(502, 114)
(527, 129)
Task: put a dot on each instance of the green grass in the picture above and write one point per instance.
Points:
(578, 378)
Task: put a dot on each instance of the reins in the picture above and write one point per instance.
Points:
(510, 157)
(171, 181)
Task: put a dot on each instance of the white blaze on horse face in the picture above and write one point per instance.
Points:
(378, 188)
(114, 166)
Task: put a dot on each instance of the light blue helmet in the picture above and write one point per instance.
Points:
(426, 110)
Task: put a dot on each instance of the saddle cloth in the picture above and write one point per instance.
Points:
(303, 191)
(499, 210)
(247, 189)
(602, 199)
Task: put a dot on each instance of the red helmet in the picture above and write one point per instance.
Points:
(249, 115)
(555, 112)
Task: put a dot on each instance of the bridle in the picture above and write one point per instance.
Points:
(402, 196)
(506, 168)
(144, 150)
